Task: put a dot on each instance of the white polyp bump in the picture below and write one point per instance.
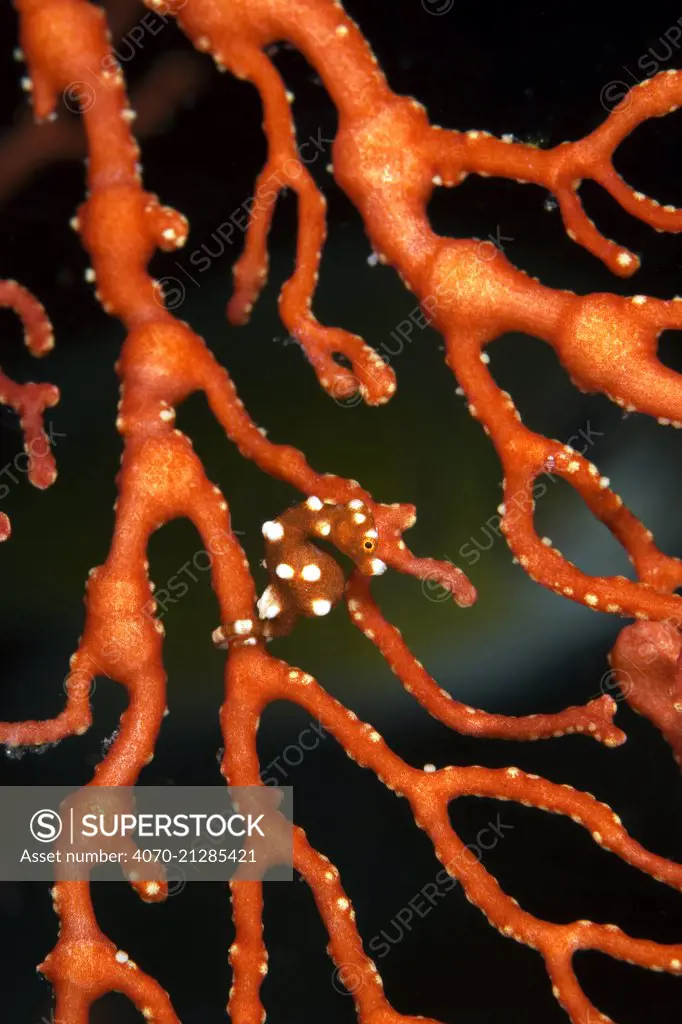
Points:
(243, 626)
(268, 605)
(321, 606)
(311, 573)
(378, 567)
(284, 571)
(314, 503)
(356, 503)
(273, 531)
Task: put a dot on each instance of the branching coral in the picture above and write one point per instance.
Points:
(29, 401)
(31, 146)
(388, 159)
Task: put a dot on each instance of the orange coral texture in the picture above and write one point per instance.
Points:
(388, 158)
(29, 401)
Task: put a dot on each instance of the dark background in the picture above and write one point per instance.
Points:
(538, 70)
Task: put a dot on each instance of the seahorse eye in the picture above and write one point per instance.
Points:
(369, 545)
